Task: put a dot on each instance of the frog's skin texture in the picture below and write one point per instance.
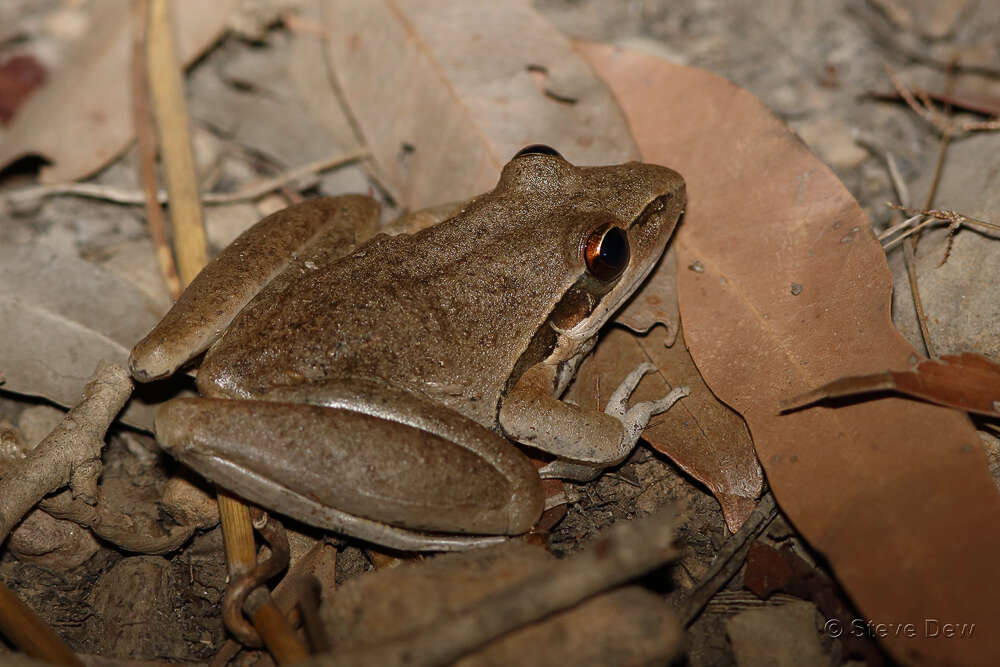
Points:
(372, 384)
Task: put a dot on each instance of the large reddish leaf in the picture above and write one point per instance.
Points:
(795, 292)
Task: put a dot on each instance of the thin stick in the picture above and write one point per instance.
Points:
(175, 140)
(135, 197)
(145, 134)
(261, 188)
(931, 115)
(910, 232)
(897, 227)
(729, 559)
(30, 633)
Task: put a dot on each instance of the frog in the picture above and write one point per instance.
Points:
(391, 387)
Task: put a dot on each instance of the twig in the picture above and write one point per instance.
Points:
(929, 113)
(729, 560)
(625, 551)
(899, 226)
(167, 89)
(954, 219)
(261, 188)
(69, 451)
(114, 527)
(925, 108)
(136, 198)
(318, 564)
(30, 633)
(146, 140)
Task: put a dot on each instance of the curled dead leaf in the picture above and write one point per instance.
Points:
(968, 382)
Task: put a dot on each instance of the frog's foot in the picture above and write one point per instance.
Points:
(633, 420)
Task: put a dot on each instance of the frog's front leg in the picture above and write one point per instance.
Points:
(584, 440)
(244, 268)
(368, 461)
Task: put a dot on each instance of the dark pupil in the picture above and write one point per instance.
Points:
(614, 248)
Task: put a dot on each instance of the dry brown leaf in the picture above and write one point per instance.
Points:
(794, 292)
(82, 117)
(966, 381)
(962, 296)
(19, 76)
(309, 70)
(656, 302)
(702, 436)
(445, 93)
(59, 316)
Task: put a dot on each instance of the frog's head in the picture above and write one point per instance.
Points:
(611, 223)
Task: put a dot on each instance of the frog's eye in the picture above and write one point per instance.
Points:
(537, 149)
(606, 252)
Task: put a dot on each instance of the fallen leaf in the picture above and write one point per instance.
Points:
(967, 381)
(784, 635)
(961, 297)
(656, 302)
(793, 292)
(59, 316)
(769, 571)
(445, 93)
(309, 70)
(82, 117)
(18, 77)
(705, 438)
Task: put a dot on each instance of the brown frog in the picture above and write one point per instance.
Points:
(372, 385)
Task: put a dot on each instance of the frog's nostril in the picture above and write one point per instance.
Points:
(654, 207)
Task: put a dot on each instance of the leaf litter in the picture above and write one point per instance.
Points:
(906, 479)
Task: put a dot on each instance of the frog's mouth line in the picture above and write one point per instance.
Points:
(631, 278)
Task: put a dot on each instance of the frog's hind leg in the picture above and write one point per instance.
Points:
(241, 270)
(359, 474)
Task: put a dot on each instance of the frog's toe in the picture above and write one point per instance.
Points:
(149, 361)
(638, 416)
(618, 403)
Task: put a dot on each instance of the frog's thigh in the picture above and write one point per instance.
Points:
(329, 466)
(241, 270)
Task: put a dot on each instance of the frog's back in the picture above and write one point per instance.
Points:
(446, 313)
